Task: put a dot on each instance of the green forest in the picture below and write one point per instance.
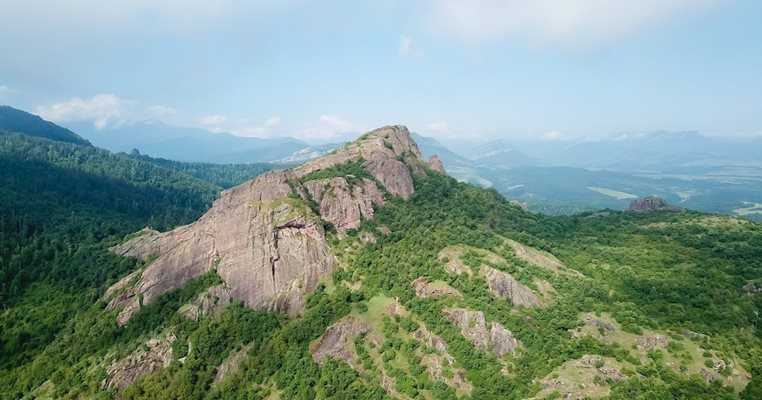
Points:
(678, 276)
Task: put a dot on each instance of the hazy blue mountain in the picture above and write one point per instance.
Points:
(657, 151)
(707, 174)
(500, 153)
(308, 153)
(158, 139)
(14, 120)
(430, 146)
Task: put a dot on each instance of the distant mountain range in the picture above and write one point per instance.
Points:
(561, 177)
(13, 121)
(685, 168)
(158, 139)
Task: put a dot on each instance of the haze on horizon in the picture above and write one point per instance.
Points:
(325, 71)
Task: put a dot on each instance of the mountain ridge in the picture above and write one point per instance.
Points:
(13, 120)
(287, 236)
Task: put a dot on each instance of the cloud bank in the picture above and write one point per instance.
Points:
(577, 23)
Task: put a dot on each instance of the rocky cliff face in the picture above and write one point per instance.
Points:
(652, 203)
(263, 237)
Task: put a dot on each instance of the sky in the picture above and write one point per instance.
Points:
(327, 70)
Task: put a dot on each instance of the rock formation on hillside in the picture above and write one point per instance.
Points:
(652, 203)
(154, 354)
(336, 340)
(474, 328)
(264, 238)
(504, 285)
(436, 164)
(343, 205)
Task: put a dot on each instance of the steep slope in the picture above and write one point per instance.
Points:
(263, 239)
(17, 121)
(444, 291)
(61, 205)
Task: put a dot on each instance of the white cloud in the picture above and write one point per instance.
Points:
(5, 90)
(553, 136)
(408, 49)
(240, 127)
(437, 127)
(162, 111)
(102, 109)
(214, 122)
(327, 127)
(406, 46)
(577, 23)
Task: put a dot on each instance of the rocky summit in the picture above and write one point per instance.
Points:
(652, 203)
(266, 238)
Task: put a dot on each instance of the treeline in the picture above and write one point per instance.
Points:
(222, 175)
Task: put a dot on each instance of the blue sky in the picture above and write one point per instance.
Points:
(326, 70)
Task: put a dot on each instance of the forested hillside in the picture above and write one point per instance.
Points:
(454, 293)
(61, 206)
(222, 175)
(13, 120)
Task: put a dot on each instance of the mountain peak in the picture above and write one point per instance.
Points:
(267, 238)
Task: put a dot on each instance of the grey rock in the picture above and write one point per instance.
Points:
(336, 340)
(157, 353)
(504, 285)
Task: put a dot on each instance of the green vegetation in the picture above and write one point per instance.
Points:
(351, 170)
(222, 175)
(662, 273)
(13, 120)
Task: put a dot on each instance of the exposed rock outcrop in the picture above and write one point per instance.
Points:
(396, 309)
(473, 326)
(504, 285)
(451, 256)
(436, 164)
(231, 363)
(436, 363)
(381, 150)
(343, 205)
(262, 238)
(424, 288)
(524, 205)
(212, 299)
(535, 257)
(652, 203)
(753, 287)
(576, 379)
(337, 338)
(155, 354)
(648, 342)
